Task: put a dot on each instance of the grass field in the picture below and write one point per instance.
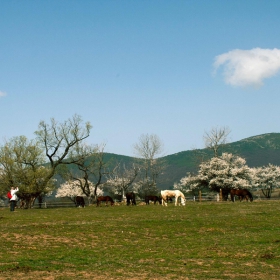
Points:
(208, 240)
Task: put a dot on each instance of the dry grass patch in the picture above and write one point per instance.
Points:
(198, 241)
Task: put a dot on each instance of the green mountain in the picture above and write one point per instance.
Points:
(257, 150)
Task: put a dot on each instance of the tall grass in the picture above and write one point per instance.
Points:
(207, 240)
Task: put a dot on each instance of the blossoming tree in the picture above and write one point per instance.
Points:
(72, 188)
(219, 173)
(121, 180)
(267, 178)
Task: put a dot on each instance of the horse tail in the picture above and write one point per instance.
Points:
(133, 199)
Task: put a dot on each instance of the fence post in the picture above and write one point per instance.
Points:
(221, 195)
(199, 196)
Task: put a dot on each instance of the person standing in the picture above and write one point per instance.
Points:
(14, 198)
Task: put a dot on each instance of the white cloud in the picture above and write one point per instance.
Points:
(2, 94)
(248, 67)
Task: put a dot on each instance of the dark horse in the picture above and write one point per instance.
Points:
(79, 200)
(106, 199)
(130, 197)
(153, 198)
(241, 193)
(169, 199)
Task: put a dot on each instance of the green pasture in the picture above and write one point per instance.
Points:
(207, 240)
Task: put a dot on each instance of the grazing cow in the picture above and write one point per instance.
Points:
(153, 198)
(130, 197)
(170, 193)
(80, 202)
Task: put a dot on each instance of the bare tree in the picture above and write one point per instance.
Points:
(149, 146)
(120, 180)
(58, 139)
(92, 168)
(149, 149)
(216, 138)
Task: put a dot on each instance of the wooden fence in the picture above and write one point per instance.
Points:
(201, 197)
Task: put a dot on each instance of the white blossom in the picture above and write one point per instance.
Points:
(72, 189)
(225, 172)
(266, 178)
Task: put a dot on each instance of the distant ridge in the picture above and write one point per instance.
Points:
(257, 150)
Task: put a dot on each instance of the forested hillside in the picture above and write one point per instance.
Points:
(257, 150)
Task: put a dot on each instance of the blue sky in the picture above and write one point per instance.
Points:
(171, 68)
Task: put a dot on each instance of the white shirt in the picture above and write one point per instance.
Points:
(13, 193)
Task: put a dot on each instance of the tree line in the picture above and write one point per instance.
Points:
(59, 149)
(226, 171)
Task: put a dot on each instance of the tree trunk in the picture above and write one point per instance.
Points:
(267, 192)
